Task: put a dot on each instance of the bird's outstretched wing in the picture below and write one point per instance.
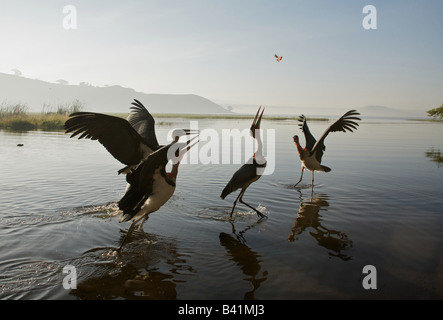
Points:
(345, 123)
(114, 133)
(143, 122)
(310, 140)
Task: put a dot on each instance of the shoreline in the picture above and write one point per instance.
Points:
(53, 121)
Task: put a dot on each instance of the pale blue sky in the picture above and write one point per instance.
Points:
(223, 50)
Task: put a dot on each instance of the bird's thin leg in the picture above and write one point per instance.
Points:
(301, 177)
(312, 180)
(261, 215)
(145, 217)
(235, 202)
(130, 230)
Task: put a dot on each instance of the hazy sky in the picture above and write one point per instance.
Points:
(224, 50)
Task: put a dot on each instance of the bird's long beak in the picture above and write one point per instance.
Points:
(190, 131)
(190, 146)
(257, 120)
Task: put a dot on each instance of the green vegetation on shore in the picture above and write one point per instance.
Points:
(29, 122)
(17, 117)
(436, 113)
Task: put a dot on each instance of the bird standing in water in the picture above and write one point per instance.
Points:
(249, 172)
(134, 143)
(150, 186)
(311, 155)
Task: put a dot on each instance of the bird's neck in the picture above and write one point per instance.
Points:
(300, 150)
(258, 154)
(174, 172)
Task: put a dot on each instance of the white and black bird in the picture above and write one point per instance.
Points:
(250, 171)
(133, 142)
(149, 185)
(311, 155)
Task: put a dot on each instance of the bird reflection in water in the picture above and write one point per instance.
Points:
(308, 218)
(247, 259)
(141, 271)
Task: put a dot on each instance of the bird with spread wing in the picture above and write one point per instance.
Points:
(134, 143)
(311, 155)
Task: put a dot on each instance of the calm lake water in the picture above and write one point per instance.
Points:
(381, 205)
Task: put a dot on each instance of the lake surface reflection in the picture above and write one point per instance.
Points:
(380, 205)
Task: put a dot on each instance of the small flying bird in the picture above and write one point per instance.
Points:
(278, 58)
(312, 153)
(133, 142)
(249, 172)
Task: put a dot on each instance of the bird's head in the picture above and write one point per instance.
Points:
(256, 123)
(295, 138)
(177, 133)
(176, 151)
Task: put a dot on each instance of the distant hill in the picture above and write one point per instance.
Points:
(110, 99)
(384, 112)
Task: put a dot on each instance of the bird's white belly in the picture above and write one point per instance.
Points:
(162, 191)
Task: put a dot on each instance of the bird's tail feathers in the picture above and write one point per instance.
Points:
(125, 217)
(130, 204)
(227, 190)
(325, 168)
